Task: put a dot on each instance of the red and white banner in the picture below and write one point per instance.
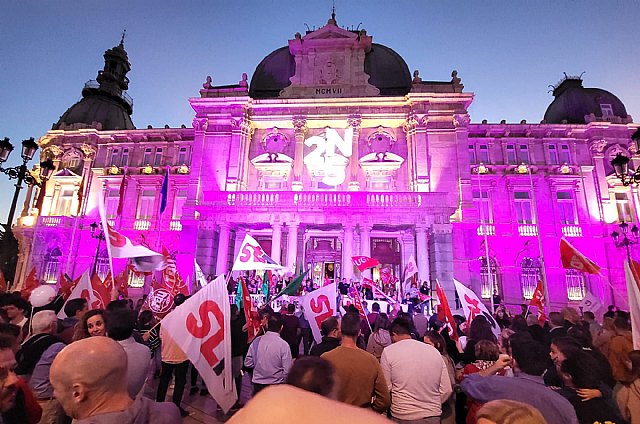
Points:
(377, 293)
(319, 305)
(445, 309)
(364, 262)
(83, 289)
(171, 276)
(251, 257)
(201, 327)
(573, 259)
(473, 306)
(160, 298)
(538, 301)
(120, 246)
(632, 274)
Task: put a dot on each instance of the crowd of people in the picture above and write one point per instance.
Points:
(407, 367)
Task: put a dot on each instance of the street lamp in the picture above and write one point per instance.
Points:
(21, 173)
(623, 238)
(96, 233)
(621, 164)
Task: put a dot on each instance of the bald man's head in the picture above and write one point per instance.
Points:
(87, 371)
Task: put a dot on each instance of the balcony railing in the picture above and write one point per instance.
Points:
(323, 199)
(486, 230)
(175, 225)
(572, 231)
(528, 230)
(141, 224)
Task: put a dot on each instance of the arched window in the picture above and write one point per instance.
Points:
(102, 267)
(488, 277)
(52, 265)
(529, 276)
(575, 284)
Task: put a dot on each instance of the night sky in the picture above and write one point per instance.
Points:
(506, 52)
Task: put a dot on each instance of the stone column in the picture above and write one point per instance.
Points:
(365, 245)
(347, 252)
(442, 258)
(300, 128)
(223, 249)
(354, 122)
(292, 245)
(422, 253)
(276, 241)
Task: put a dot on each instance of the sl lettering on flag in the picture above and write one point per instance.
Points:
(201, 327)
(251, 257)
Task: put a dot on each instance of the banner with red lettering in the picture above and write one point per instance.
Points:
(251, 257)
(201, 327)
(364, 262)
(319, 305)
(573, 259)
(83, 289)
(472, 306)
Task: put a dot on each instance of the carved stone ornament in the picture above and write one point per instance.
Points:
(598, 146)
(411, 122)
(299, 124)
(614, 150)
(52, 151)
(633, 148)
(200, 124)
(274, 142)
(380, 141)
(72, 153)
(461, 120)
(88, 150)
(354, 121)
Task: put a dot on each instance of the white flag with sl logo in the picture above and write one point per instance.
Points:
(251, 257)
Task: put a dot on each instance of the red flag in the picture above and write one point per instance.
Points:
(102, 290)
(160, 299)
(120, 282)
(41, 194)
(253, 326)
(171, 276)
(364, 262)
(538, 301)
(446, 310)
(573, 259)
(30, 283)
(67, 285)
(377, 293)
(357, 302)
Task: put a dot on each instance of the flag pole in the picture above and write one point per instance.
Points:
(543, 272)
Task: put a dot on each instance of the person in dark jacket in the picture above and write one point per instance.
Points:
(330, 330)
(239, 345)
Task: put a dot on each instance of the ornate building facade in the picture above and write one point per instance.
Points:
(332, 150)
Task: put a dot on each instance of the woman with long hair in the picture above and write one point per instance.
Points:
(92, 324)
(380, 338)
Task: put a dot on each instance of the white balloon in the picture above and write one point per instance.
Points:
(42, 295)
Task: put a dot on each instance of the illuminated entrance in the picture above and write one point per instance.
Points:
(323, 255)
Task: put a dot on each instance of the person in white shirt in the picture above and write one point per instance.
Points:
(417, 392)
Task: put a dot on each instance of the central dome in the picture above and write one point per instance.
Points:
(387, 70)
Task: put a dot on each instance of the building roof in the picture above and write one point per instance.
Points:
(575, 104)
(388, 72)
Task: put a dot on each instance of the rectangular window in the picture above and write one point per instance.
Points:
(576, 286)
(146, 204)
(523, 154)
(157, 159)
(607, 110)
(125, 157)
(566, 208)
(483, 154)
(115, 157)
(565, 156)
(472, 154)
(511, 155)
(178, 204)
(522, 200)
(111, 203)
(553, 155)
(481, 201)
(65, 199)
(136, 279)
(183, 156)
(146, 159)
(623, 206)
